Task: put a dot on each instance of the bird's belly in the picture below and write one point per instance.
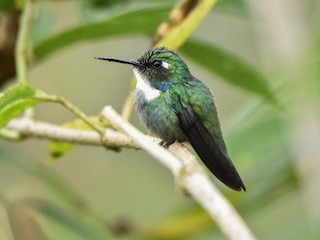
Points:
(160, 119)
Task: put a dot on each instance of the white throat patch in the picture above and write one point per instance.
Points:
(150, 93)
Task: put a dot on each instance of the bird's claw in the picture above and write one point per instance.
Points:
(166, 144)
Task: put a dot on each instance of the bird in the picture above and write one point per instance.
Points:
(176, 106)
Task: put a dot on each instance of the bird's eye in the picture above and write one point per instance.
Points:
(156, 64)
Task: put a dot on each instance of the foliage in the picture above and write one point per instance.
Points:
(259, 135)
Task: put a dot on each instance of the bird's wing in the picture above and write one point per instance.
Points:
(208, 148)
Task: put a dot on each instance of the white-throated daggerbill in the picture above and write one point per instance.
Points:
(176, 106)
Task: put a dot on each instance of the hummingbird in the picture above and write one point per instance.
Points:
(176, 106)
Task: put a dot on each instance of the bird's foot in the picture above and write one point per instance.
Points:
(166, 144)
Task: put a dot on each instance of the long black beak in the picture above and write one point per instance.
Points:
(131, 62)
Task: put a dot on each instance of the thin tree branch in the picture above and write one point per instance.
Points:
(190, 177)
(75, 110)
(184, 166)
(30, 128)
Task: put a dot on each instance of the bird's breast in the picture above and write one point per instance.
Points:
(158, 116)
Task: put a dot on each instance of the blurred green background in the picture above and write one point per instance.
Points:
(269, 115)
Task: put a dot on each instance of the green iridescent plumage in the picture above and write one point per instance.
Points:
(176, 106)
(184, 89)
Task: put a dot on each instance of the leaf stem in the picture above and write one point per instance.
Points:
(21, 50)
(23, 41)
(72, 108)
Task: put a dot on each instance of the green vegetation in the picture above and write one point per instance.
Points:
(264, 75)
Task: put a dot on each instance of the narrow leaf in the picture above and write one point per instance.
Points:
(178, 226)
(234, 7)
(91, 12)
(23, 225)
(16, 92)
(142, 21)
(43, 25)
(58, 148)
(73, 224)
(15, 109)
(16, 100)
(54, 183)
(177, 34)
(229, 67)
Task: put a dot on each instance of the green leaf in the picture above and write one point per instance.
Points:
(234, 7)
(43, 25)
(90, 12)
(16, 100)
(15, 93)
(143, 21)
(229, 67)
(6, 6)
(179, 225)
(58, 148)
(15, 109)
(105, 3)
(23, 224)
(68, 224)
(182, 31)
(45, 176)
